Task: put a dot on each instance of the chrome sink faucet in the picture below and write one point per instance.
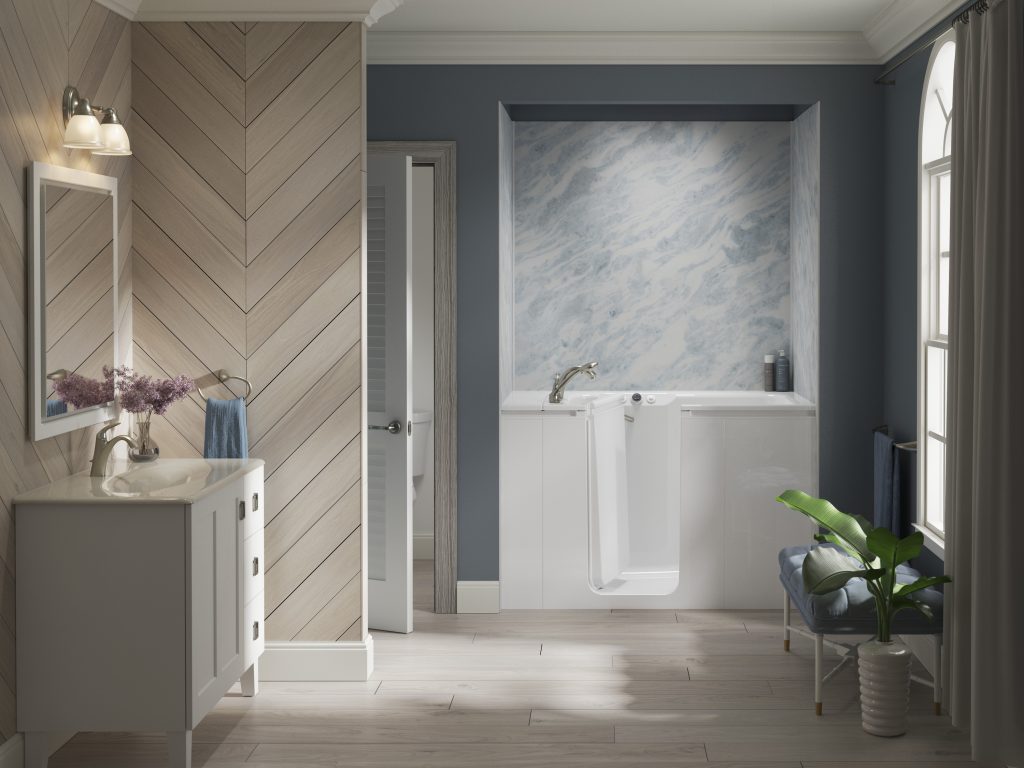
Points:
(563, 378)
(103, 446)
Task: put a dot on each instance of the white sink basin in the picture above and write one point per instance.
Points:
(163, 478)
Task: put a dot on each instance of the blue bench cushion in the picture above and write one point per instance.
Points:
(851, 609)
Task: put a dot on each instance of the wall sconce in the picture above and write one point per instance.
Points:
(83, 131)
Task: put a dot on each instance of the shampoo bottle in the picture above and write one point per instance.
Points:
(769, 373)
(782, 372)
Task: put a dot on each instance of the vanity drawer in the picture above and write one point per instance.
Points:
(252, 631)
(251, 506)
(252, 567)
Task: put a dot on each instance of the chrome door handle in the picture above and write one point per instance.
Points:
(392, 429)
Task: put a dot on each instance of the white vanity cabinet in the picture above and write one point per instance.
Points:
(139, 599)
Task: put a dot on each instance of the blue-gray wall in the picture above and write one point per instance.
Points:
(460, 103)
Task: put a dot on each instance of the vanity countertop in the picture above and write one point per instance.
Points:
(164, 481)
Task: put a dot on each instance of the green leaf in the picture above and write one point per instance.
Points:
(827, 516)
(831, 538)
(864, 523)
(892, 551)
(922, 583)
(905, 603)
(826, 570)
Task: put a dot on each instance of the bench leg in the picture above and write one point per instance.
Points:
(819, 649)
(785, 621)
(937, 672)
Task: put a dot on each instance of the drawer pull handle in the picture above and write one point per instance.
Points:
(256, 502)
(241, 510)
(255, 630)
(256, 566)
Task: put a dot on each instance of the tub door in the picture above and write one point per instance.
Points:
(389, 392)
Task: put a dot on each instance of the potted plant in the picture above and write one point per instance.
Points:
(883, 663)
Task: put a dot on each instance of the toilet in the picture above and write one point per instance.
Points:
(421, 421)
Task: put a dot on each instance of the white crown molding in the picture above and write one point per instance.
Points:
(360, 11)
(618, 48)
(902, 22)
(127, 8)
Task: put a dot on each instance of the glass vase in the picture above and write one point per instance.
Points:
(144, 448)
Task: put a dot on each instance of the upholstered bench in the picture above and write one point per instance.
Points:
(850, 610)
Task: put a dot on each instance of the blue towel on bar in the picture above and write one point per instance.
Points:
(887, 484)
(56, 408)
(227, 434)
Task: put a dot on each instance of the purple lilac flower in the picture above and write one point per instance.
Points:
(141, 393)
(82, 392)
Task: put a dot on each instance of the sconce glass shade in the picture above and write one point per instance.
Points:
(82, 132)
(113, 135)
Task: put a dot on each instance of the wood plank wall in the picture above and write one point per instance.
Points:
(248, 141)
(44, 45)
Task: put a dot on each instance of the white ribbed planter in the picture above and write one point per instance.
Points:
(884, 687)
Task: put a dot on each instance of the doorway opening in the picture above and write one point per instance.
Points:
(432, 418)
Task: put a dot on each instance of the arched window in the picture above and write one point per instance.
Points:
(933, 323)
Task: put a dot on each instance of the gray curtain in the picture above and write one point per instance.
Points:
(984, 616)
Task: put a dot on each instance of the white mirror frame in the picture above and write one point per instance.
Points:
(41, 174)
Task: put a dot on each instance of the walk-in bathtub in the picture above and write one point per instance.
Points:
(650, 499)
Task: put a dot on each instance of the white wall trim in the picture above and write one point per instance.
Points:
(12, 751)
(360, 11)
(423, 546)
(127, 8)
(317, 662)
(618, 48)
(477, 597)
(901, 23)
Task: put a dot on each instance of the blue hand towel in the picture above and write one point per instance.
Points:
(887, 484)
(227, 434)
(56, 408)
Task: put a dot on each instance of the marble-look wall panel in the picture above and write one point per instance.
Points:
(660, 249)
(506, 248)
(805, 236)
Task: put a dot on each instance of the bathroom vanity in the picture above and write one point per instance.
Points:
(139, 599)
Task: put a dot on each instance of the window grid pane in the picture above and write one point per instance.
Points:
(935, 390)
(935, 482)
(942, 257)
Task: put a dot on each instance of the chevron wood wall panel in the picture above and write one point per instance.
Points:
(44, 45)
(248, 187)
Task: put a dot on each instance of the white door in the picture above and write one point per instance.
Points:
(389, 391)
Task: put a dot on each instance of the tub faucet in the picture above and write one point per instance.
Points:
(103, 447)
(563, 378)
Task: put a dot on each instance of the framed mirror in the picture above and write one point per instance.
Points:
(72, 270)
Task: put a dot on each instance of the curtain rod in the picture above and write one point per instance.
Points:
(963, 17)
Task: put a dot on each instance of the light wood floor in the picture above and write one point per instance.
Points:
(556, 688)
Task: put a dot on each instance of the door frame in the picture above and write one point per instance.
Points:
(441, 156)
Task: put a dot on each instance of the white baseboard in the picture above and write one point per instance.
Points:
(317, 662)
(477, 597)
(12, 751)
(423, 546)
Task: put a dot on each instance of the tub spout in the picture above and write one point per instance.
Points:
(563, 378)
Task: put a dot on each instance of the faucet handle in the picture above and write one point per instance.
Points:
(102, 434)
